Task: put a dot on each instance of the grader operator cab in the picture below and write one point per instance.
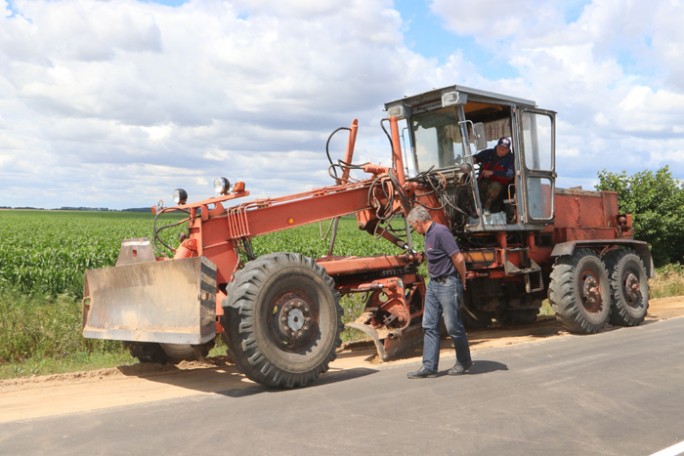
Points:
(448, 127)
(279, 313)
(570, 245)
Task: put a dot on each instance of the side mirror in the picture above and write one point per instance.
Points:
(480, 136)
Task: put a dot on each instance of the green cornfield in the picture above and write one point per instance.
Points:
(47, 252)
(44, 255)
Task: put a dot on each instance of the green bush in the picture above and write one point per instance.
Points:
(656, 201)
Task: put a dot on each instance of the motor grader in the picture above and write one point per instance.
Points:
(279, 313)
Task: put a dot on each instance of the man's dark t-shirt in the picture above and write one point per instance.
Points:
(501, 167)
(440, 245)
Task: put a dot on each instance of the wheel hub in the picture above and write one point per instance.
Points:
(294, 318)
(591, 293)
(632, 288)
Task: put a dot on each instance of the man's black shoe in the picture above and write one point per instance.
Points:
(422, 373)
(460, 369)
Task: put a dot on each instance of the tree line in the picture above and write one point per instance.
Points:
(656, 202)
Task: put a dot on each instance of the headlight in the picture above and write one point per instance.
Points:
(454, 98)
(221, 185)
(397, 111)
(180, 196)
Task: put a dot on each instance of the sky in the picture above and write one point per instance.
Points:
(116, 103)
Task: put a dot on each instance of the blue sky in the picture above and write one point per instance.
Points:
(114, 104)
(423, 31)
(425, 34)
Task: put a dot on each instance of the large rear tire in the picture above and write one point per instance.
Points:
(629, 287)
(579, 292)
(282, 320)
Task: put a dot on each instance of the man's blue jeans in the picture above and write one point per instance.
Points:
(443, 298)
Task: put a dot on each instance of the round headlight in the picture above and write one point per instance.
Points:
(465, 168)
(180, 196)
(221, 185)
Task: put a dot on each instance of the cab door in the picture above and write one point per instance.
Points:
(537, 139)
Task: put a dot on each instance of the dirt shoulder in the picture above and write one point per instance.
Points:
(76, 392)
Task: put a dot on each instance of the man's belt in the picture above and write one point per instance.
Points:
(442, 278)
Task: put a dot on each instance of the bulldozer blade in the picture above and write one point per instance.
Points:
(171, 301)
(391, 344)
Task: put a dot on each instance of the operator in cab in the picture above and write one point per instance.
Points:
(496, 173)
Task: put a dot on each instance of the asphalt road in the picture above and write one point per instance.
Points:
(615, 393)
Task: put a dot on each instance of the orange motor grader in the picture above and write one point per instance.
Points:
(280, 314)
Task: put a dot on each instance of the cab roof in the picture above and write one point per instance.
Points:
(433, 98)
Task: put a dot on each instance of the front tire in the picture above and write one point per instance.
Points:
(629, 287)
(152, 352)
(579, 292)
(283, 320)
(147, 352)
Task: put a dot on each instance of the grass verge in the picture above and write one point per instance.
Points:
(669, 281)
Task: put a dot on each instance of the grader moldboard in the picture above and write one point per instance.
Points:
(279, 313)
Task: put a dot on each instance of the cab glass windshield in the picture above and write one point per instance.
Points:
(438, 140)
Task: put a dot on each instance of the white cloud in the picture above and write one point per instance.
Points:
(491, 21)
(120, 102)
(127, 87)
(612, 69)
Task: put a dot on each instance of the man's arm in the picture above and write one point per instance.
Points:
(459, 263)
(483, 155)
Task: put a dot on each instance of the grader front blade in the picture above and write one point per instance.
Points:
(169, 302)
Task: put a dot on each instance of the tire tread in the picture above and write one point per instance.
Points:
(240, 321)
